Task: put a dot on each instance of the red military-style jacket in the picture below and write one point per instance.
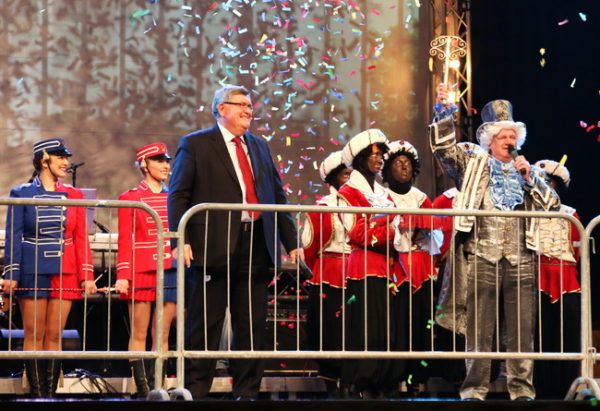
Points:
(370, 235)
(138, 233)
(325, 248)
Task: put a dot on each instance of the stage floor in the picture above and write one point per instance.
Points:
(295, 405)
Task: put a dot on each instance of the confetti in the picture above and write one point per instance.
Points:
(351, 299)
(563, 160)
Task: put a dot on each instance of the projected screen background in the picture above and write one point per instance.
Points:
(110, 76)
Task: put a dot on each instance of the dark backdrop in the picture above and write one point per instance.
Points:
(552, 100)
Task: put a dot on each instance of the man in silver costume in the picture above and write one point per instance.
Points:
(499, 250)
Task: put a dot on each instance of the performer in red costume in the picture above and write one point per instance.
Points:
(326, 253)
(416, 242)
(47, 255)
(371, 315)
(560, 299)
(137, 258)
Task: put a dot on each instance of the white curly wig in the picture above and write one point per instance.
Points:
(498, 115)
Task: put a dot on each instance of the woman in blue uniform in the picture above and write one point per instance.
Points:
(47, 256)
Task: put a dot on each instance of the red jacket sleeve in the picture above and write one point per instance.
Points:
(83, 252)
(125, 254)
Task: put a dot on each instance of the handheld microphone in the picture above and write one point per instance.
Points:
(514, 154)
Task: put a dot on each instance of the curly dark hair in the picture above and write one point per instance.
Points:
(366, 152)
(416, 164)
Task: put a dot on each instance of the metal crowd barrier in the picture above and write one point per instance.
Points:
(583, 355)
(586, 355)
(108, 244)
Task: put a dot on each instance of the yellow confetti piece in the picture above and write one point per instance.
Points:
(431, 64)
(543, 62)
(288, 141)
(563, 160)
(263, 38)
(542, 51)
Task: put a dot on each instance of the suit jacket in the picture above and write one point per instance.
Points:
(204, 173)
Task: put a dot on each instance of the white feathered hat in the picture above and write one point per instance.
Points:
(361, 141)
(331, 162)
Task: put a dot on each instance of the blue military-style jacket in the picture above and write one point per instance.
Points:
(46, 240)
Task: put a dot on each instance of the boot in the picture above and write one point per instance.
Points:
(34, 372)
(140, 379)
(51, 377)
(149, 365)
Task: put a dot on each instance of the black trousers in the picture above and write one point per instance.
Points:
(247, 287)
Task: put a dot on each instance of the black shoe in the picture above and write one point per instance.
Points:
(333, 392)
(345, 392)
(245, 398)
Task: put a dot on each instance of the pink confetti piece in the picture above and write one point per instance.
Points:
(562, 23)
(303, 84)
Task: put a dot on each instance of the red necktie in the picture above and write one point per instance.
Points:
(251, 197)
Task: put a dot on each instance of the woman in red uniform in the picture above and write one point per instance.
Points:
(47, 255)
(137, 258)
(372, 269)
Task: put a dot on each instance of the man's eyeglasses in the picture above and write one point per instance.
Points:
(242, 105)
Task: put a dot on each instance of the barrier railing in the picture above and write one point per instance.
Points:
(586, 355)
(583, 355)
(110, 246)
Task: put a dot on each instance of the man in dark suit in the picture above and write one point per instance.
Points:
(226, 164)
